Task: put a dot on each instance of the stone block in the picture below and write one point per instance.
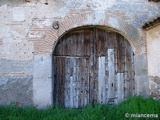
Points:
(17, 49)
(11, 67)
(142, 85)
(18, 14)
(140, 62)
(42, 66)
(42, 92)
(154, 87)
(16, 89)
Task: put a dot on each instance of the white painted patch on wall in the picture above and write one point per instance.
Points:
(102, 4)
(99, 16)
(5, 31)
(114, 22)
(18, 14)
(96, 17)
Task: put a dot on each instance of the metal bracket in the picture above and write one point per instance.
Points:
(55, 25)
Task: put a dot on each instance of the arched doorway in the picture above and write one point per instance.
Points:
(92, 65)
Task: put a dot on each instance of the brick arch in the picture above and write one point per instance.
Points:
(132, 34)
(44, 39)
(47, 37)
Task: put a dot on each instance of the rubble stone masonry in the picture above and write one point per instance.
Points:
(27, 40)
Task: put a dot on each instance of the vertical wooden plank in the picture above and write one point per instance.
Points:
(62, 81)
(99, 66)
(82, 82)
(65, 82)
(74, 44)
(111, 38)
(79, 44)
(87, 43)
(72, 50)
(58, 81)
(77, 83)
(75, 100)
(125, 69)
(91, 68)
(66, 97)
(55, 80)
(133, 73)
(106, 65)
(60, 50)
(116, 52)
(111, 92)
(100, 36)
(68, 41)
(82, 45)
(65, 47)
(88, 79)
(79, 80)
(60, 47)
(120, 53)
(95, 67)
(120, 91)
(71, 92)
(101, 80)
(72, 83)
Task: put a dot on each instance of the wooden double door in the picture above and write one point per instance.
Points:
(92, 65)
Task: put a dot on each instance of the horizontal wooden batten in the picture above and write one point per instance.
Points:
(73, 56)
(154, 0)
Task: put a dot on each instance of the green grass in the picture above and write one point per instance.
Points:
(132, 105)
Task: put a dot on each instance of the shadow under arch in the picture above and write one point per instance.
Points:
(106, 28)
(103, 19)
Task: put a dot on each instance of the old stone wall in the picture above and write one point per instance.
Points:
(27, 40)
(153, 43)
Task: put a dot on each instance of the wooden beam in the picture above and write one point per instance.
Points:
(154, 0)
(151, 24)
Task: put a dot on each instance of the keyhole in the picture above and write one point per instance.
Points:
(112, 84)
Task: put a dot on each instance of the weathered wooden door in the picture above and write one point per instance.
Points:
(92, 65)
